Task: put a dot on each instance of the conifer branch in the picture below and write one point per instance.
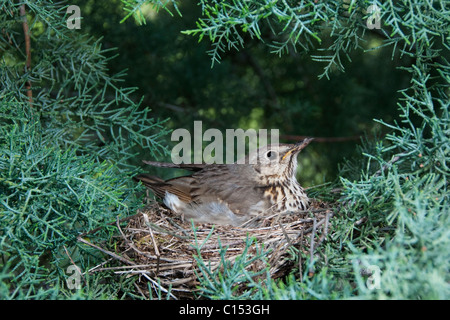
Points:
(26, 32)
(321, 139)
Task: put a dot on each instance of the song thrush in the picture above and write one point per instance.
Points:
(234, 193)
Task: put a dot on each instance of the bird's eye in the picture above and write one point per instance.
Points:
(271, 155)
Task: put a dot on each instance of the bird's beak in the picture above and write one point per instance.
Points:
(298, 147)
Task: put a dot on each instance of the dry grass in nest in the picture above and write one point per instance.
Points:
(160, 247)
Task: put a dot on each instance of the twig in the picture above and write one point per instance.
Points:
(168, 266)
(321, 139)
(130, 243)
(311, 249)
(140, 291)
(73, 263)
(157, 228)
(97, 267)
(158, 285)
(158, 256)
(213, 246)
(325, 229)
(112, 254)
(285, 234)
(173, 223)
(26, 31)
(300, 267)
(109, 224)
(318, 224)
(389, 163)
(171, 107)
(361, 221)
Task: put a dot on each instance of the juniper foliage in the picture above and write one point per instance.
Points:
(68, 136)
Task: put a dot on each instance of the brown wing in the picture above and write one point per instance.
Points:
(177, 186)
(233, 184)
(192, 167)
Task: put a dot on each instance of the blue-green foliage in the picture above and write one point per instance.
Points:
(66, 154)
(410, 191)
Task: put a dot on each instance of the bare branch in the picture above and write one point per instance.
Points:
(26, 32)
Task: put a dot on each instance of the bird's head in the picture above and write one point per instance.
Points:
(273, 163)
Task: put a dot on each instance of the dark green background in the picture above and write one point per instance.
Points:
(250, 88)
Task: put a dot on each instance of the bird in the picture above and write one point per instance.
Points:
(233, 194)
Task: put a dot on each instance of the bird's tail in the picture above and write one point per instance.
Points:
(186, 166)
(157, 185)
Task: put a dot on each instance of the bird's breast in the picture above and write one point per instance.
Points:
(287, 196)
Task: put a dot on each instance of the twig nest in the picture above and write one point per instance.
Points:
(161, 247)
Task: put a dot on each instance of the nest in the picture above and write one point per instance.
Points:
(162, 248)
